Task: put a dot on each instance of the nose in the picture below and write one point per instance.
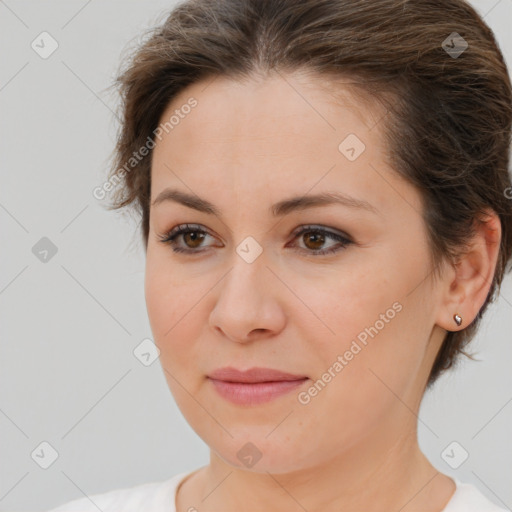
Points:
(249, 303)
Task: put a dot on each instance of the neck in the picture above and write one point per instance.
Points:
(379, 472)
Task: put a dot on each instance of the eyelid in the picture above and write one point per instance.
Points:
(300, 229)
(316, 227)
(180, 227)
(343, 239)
(183, 228)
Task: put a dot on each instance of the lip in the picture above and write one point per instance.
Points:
(254, 386)
(252, 375)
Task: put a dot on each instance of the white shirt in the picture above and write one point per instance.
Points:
(161, 497)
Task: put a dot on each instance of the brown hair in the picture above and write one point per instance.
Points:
(448, 126)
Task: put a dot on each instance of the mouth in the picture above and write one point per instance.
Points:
(254, 386)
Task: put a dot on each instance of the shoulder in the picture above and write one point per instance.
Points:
(150, 497)
(468, 498)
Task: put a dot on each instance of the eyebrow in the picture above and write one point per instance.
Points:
(278, 209)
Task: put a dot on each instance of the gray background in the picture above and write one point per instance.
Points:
(68, 375)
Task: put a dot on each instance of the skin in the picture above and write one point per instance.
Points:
(353, 447)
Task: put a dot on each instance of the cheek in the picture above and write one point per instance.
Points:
(177, 316)
(366, 318)
(172, 332)
(157, 293)
(167, 300)
(343, 305)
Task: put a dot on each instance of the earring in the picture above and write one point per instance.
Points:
(457, 318)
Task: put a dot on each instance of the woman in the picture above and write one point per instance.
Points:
(326, 214)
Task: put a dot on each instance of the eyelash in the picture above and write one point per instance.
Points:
(170, 237)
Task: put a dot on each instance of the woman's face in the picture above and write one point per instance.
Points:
(359, 321)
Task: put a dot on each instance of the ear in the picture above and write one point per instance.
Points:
(469, 280)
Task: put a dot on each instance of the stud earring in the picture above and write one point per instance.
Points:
(457, 318)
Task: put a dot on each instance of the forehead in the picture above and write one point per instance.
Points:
(278, 135)
(304, 105)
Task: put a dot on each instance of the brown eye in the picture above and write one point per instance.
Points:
(313, 241)
(192, 238)
(314, 238)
